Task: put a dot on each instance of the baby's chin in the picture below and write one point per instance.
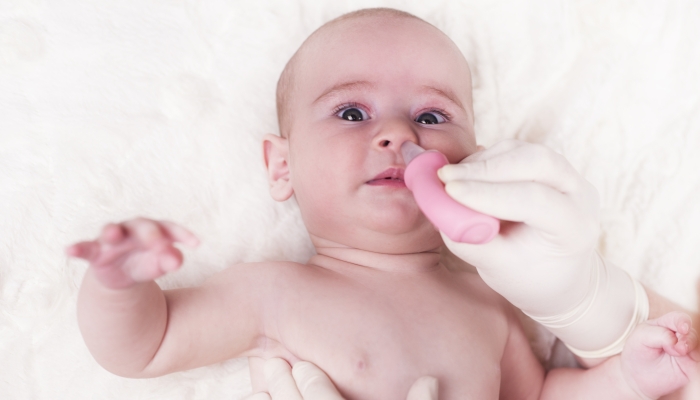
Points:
(394, 240)
(403, 246)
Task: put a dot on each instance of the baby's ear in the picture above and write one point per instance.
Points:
(276, 154)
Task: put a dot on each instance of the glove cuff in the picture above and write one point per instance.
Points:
(601, 322)
(641, 314)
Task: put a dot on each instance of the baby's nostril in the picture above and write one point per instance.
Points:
(385, 143)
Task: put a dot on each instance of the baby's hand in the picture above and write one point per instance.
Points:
(134, 251)
(660, 355)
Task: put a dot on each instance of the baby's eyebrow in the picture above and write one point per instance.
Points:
(364, 85)
(344, 87)
(446, 93)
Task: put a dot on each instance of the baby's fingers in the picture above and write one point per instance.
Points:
(657, 337)
(109, 246)
(112, 234)
(660, 338)
(676, 321)
(157, 233)
(170, 259)
(694, 351)
(147, 266)
(180, 234)
(681, 326)
(146, 232)
(85, 250)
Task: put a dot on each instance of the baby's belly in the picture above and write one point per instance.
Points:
(385, 368)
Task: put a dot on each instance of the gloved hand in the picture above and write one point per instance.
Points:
(308, 382)
(544, 261)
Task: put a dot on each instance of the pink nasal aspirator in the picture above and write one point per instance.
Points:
(459, 223)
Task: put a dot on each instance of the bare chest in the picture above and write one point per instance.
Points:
(374, 339)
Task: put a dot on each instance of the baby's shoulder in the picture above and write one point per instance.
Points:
(263, 279)
(475, 287)
(263, 269)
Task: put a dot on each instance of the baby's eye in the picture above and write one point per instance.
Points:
(428, 118)
(353, 114)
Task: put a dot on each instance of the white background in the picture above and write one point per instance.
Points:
(113, 109)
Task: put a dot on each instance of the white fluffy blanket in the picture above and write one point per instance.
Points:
(116, 108)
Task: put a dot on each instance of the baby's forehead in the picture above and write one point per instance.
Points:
(365, 46)
(370, 45)
(371, 29)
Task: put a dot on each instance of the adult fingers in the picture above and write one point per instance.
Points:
(425, 388)
(258, 396)
(495, 150)
(280, 383)
(533, 203)
(313, 383)
(522, 163)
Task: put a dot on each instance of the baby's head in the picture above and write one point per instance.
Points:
(356, 89)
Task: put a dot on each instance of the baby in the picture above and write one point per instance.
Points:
(357, 89)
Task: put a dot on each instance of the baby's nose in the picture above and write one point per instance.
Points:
(393, 133)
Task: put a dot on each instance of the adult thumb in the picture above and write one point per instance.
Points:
(425, 388)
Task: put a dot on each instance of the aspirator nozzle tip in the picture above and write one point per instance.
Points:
(410, 150)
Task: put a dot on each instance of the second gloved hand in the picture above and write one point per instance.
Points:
(544, 259)
(308, 382)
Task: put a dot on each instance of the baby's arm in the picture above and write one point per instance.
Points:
(656, 360)
(135, 329)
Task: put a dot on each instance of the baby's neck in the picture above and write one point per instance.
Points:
(335, 256)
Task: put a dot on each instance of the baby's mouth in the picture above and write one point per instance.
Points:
(389, 177)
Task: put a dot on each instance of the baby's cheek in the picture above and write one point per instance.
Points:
(455, 155)
(455, 147)
(318, 202)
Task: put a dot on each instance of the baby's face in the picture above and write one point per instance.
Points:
(363, 88)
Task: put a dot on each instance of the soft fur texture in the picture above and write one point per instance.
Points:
(115, 109)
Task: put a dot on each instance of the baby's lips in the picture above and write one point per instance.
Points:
(389, 173)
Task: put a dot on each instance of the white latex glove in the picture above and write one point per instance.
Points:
(544, 261)
(308, 382)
